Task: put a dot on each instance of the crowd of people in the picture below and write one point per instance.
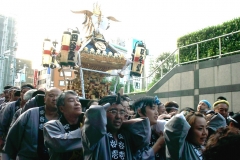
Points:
(40, 124)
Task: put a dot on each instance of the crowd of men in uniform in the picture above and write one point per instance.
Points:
(40, 124)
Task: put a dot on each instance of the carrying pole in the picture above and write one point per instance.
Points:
(81, 74)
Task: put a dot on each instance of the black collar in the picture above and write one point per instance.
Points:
(67, 126)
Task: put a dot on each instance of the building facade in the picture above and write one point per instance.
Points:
(43, 78)
(24, 72)
(8, 44)
(58, 78)
(48, 78)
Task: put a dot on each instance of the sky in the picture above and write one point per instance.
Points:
(159, 23)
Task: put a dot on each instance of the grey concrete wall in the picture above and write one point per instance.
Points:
(188, 84)
(137, 95)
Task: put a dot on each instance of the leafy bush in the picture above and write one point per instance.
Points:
(211, 48)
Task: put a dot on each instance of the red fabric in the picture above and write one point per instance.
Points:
(136, 59)
(77, 48)
(64, 47)
(47, 52)
(35, 79)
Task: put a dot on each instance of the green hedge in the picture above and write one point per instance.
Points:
(211, 48)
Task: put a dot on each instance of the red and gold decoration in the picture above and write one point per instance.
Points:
(94, 86)
(35, 78)
(96, 55)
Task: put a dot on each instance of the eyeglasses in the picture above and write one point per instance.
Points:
(115, 112)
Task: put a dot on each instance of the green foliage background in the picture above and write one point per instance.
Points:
(211, 48)
(119, 85)
(166, 66)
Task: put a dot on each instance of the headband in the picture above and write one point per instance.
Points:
(221, 101)
(157, 101)
(111, 99)
(169, 108)
(231, 119)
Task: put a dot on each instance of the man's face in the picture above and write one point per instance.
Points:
(126, 105)
(6, 95)
(23, 92)
(11, 93)
(127, 108)
(202, 107)
(72, 106)
(222, 108)
(13, 96)
(173, 111)
(161, 109)
(50, 98)
(115, 117)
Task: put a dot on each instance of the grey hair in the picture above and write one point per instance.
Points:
(28, 95)
(62, 96)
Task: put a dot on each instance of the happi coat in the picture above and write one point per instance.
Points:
(22, 138)
(177, 147)
(95, 138)
(3, 104)
(7, 114)
(62, 144)
(2, 100)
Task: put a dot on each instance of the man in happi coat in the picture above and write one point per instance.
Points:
(6, 96)
(10, 110)
(63, 137)
(13, 95)
(25, 138)
(7, 112)
(106, 136)
(26, 98)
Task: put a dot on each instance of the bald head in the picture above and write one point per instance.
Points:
(47, 91)
(42, 89)
(28, 95)
(51, 96)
